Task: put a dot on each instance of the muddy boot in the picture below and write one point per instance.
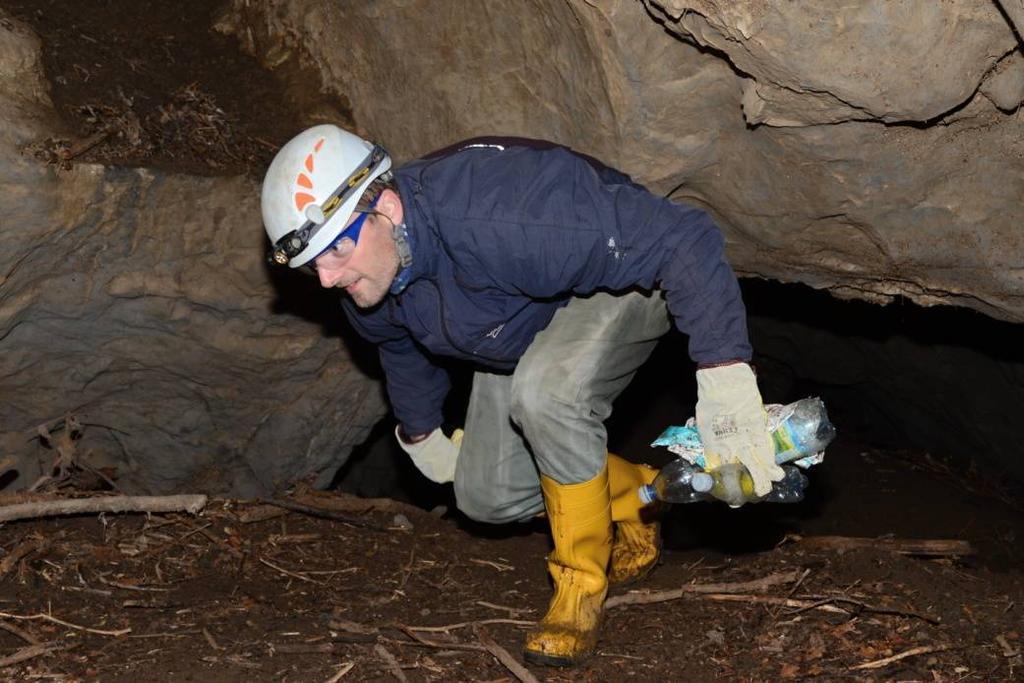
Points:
(581, 525)
(637, 545)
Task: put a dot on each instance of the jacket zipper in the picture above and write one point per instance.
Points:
(448, 335)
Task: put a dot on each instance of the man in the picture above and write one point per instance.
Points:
(551, 273)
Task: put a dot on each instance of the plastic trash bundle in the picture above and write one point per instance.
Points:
(800, 431)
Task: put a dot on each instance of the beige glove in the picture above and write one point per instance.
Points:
(733, 424)
(434, 456)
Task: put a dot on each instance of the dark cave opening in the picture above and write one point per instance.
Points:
(924, 400)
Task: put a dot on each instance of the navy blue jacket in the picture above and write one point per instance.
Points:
(504, 235)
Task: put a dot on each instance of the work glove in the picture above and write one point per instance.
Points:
(733, 425)
(434, 456)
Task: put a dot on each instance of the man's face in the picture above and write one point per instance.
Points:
(366, 269)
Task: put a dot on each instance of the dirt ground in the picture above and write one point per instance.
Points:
(247, 592)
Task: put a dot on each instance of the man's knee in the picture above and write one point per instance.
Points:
(537, 403)
(485, 504)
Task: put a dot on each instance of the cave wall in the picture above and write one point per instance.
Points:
(140, 302)
(874, 149)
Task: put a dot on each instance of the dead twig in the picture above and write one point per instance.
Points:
(338, 624)
(772, 600)
(129, 587)
(513, 612)
(220, 542)
(344, 669)
(408, 569)
(277, 539)
(798, 583)
(74, 506)
(27, 653)
(464, 624)
(55, 620)
(825, 605)
(346, 502)
(697, 588)
(80, 147)
(164, 634)
(503, 656)
(922, 650)
(392, 663)
(142, 604)
(294, 575)
(305, 648)
(923, 547)
(24, 635)
(500, 566)
(20, 551)
(259, 513)
(322, 514)
(864, 607)
(420, 640)
(1008, 651)
(209, 639)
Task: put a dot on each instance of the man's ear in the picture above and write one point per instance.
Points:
(390, 204)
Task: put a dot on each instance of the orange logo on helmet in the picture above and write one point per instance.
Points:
(303, 180)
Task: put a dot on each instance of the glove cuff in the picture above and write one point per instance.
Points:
(435, 456)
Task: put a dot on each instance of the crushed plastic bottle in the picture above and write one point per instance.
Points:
(681, 482)
(804, 433)
(800, 431)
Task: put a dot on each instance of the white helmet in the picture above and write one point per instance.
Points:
(312, 187)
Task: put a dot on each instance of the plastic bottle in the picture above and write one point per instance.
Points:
(681, 482)
(805, 432)
(674, 484)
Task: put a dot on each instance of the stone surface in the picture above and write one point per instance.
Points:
(141, 303)
(1005, 83)
(843, 145)
(826, 62)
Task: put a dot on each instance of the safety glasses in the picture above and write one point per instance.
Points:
(339, 251)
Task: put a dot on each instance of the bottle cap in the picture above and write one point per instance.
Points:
(702, 482)
(648, 494)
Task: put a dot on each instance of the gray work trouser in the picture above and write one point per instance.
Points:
(548, 416)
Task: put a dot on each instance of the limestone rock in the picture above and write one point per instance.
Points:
(1005, 84)
(141, 303)
(824, 62)
(777, 116)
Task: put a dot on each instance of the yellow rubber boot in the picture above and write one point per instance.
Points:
(581, 526)
(637, 544)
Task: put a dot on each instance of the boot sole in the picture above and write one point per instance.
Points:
(541, 659)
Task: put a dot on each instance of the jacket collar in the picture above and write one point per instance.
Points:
(415, 229)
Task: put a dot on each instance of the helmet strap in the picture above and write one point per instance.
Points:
(400, 234)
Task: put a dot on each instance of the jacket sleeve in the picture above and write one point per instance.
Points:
(416, 385)
(548, 224)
